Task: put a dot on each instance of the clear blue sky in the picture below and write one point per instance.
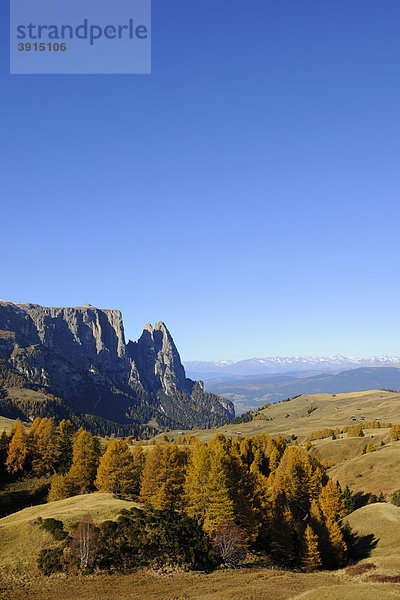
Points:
(246, 193)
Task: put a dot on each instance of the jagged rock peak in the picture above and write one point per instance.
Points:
(157, 360)
(148, 327)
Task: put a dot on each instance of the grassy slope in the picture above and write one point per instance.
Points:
(26, 491)
(292, 417)
(21, 540)
(346, 448)
(375, 472)
(15, 393)
(383, 520)
(243, 584)
(6, 425)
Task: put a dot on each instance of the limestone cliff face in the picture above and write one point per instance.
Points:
(158, 362)
(58, 345)
(80, 354)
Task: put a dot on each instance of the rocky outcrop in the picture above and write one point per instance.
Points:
(158, 362)
(80, 354)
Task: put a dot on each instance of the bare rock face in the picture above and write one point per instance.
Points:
(80, 354)
(158, 362)
(63, 340)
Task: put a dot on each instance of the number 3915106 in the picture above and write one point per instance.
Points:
(42, 47)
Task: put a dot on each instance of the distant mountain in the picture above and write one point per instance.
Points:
(80, 355)
(284, 364)
(248, 393)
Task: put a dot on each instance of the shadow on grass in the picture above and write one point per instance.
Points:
(13, 501)
(359, 546)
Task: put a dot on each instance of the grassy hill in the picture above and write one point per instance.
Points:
(21, 539)
(231, 584)
(346, 448)
(6, 425)
(375, 472)
(305, 414)
(383, 521)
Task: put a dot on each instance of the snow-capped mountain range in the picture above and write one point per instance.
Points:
(284, 364)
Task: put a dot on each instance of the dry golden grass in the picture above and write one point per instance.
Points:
(21, 540)
(383, 521)
(7, 424)
(346, 448)
(17, 393)
(353, 591)
(244, 584)
(375, 472)
(305, 414)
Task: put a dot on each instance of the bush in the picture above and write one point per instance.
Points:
(376, 578)
(153, 538)
(360, 569)
(56, 528)
(396, 498)
(50, 560)
(229, 544)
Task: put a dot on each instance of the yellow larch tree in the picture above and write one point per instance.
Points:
(152, 475)
(61, 487)
(85, 460)
(45, 447)
(220, 510)
(274, 459)
(337, 543)
(17, 450)
(197, 476)
(116, 472)
(311, 558)
(164, 476)
(331, 502)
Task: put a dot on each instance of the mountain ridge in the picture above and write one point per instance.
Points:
(250, 392)
(285, 364)
(80, 354)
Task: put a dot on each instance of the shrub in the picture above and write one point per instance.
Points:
(153, 538)
(376, 578)
(360, 569)
(395, 433)
(396, 498)
(50, 560)
(56, 528)
(229, 544)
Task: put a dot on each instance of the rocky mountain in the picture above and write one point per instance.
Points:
(285, 364)
(80, 355)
